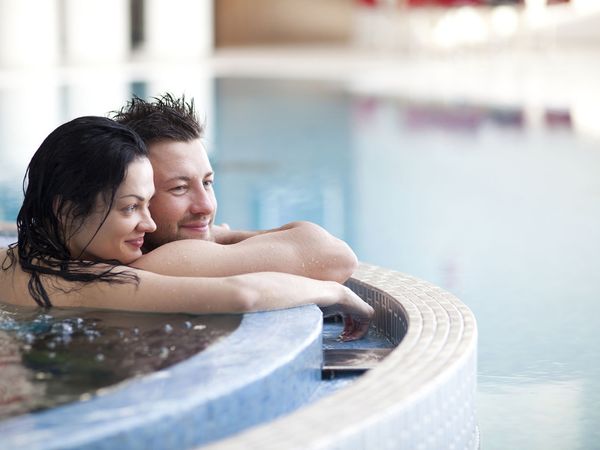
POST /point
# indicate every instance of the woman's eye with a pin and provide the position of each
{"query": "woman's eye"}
(130, 208)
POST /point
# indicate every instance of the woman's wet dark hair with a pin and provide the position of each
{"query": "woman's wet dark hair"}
(80, 162)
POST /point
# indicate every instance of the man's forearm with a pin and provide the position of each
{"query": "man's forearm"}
(319, 254)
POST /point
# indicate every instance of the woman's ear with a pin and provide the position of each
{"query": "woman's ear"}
(56, 203)
(63, 211)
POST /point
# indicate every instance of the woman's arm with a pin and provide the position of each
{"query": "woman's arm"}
(300, 248)
(235, 294)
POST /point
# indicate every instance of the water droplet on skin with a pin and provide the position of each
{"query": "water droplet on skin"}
(199, 327)
(168, 328)
(164, 352)
(187, 324)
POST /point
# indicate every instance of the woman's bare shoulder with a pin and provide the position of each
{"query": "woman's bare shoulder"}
(13, 281)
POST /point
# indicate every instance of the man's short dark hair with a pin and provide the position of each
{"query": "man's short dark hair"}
(161, 118)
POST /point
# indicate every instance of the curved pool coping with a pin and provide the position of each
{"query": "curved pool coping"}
(267, 367)
(421, 396)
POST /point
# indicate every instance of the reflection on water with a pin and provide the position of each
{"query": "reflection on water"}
(497, 203)
(51, 357)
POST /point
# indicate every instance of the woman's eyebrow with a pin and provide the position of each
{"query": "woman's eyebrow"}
(140, 198)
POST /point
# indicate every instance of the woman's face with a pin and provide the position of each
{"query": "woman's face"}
(121, 236)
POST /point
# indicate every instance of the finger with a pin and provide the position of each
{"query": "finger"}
(348, 327)
(359, 330)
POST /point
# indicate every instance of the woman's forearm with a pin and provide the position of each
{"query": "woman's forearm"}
(235, 294)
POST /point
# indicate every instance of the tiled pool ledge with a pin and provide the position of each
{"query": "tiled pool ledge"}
(267, 367)
(422, 396)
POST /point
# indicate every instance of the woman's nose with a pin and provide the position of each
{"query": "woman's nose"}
(147, 225)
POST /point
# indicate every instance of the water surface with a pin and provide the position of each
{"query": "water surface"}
(50, 357)
(499, 204)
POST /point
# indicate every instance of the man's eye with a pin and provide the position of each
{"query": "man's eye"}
(178, 189)
(208, 183)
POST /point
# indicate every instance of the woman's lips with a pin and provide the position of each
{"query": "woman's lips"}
(136, 242)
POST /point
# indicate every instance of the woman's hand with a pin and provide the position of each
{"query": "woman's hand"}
(356, 314)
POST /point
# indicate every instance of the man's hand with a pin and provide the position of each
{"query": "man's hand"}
(219, 233)
(222, 234)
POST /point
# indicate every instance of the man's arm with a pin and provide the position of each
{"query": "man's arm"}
(299, 248)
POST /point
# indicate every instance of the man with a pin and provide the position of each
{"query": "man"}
(184, 207)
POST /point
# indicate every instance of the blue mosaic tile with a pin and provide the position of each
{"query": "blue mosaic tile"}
(269, 366)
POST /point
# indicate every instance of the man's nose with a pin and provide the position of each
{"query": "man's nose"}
(202, 203)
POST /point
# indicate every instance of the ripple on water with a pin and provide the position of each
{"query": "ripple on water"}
(63, 355)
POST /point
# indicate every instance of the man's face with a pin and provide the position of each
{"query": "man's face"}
(184, 205)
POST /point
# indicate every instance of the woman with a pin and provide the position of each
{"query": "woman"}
(83, 221)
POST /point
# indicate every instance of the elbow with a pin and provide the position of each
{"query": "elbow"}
(345, 264)
(342, 259)
(341, 262)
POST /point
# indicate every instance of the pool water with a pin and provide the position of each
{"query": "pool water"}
(56, 356)
(497, 204)
(482, 200)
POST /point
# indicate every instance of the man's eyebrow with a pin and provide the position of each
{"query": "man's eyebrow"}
(187, 178)
(178, 178)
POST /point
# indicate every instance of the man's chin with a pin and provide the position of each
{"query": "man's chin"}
(204, 235)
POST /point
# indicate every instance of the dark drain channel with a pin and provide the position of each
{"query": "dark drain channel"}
(351, 361)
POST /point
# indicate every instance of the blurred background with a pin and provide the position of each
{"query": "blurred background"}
(454, 140)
